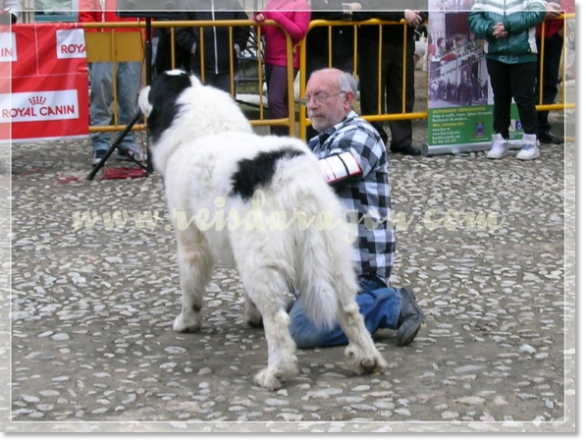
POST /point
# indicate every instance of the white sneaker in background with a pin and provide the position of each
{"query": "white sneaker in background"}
(530, 149)
(499, 147)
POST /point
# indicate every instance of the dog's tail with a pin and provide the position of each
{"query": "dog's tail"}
(325, 273)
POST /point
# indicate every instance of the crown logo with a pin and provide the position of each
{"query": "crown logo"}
(37, 100)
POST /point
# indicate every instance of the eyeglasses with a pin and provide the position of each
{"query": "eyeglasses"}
(318, 98)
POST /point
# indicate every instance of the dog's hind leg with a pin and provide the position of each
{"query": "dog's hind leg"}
(195, 270)
(362, 355)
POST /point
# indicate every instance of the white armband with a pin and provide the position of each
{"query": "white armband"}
(339, 167)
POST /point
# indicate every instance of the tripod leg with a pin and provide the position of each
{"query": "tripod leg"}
(119, 139)
(149, 165)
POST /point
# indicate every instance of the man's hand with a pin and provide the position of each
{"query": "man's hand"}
(259, 17)
(552, 10)
(412, 17)
(498, 30)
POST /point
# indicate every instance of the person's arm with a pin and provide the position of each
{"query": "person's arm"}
(422, 6)
(13, 9)
(333, 10)
(241, 33)
(88, 11)
(518, 23)
(383, 10)
(340, 169)
(297, 27)
(568, 6)
(356, 152)
(479, 25)
(187, 37)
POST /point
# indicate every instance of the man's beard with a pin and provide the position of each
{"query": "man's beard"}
(320, 125)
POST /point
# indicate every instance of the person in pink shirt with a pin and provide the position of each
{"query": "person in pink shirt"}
(294, 17)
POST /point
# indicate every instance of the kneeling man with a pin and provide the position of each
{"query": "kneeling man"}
(354, 162)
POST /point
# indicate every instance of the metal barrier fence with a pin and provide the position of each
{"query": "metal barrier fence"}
(380, 116)
(111, 46)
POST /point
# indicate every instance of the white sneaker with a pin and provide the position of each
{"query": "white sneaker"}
(530, 149)
(499, 147)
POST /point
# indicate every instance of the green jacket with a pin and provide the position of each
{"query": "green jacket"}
(519, 18)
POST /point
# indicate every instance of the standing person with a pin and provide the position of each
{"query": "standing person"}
(294, 17)
(317, 54)
(9, 11)
(216, 39)
(508, 29)
(391, 68)
(553, 41)
(347, 138)
(163, 60)
(128, 79)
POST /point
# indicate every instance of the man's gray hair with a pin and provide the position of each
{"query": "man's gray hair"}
(347, 83)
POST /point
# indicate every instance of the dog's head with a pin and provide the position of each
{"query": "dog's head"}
(159, 101)
(180, 110)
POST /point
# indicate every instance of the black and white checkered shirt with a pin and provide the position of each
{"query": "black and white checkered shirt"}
(367, 196)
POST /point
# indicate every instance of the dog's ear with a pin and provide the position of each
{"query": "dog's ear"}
(143, 101)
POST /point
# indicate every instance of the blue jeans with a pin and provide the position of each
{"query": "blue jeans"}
(128, 78)
(379, 305)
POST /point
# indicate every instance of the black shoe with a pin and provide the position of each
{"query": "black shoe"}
(406, 150)
(410, 318)
(127, 153)
(548, 137)
(289, 305)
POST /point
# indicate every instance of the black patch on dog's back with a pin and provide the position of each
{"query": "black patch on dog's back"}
(255, 172)
(165, 90)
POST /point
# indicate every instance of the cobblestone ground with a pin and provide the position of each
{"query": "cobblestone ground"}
(483, 243)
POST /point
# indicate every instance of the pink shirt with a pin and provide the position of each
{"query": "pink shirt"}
(294, 17)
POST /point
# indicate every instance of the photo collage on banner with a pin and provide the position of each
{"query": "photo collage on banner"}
(460, 100)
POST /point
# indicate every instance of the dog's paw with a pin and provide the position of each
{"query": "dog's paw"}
(266, 379)
(364, 363)
(187, 323)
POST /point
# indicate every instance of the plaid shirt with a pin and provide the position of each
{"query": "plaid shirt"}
(368, 196)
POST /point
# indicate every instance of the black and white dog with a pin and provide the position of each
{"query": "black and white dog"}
(260, 204)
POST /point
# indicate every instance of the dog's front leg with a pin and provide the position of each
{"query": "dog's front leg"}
(195, 270)
(267, 291)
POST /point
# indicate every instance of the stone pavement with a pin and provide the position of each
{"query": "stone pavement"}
(486, 245)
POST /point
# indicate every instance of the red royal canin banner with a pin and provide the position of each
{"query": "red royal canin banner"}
(43, 82)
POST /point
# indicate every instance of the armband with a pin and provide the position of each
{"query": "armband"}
(339, 167)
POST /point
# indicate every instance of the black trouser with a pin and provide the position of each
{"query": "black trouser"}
(392, 84)
(551, 65)
(513, 81)
(221, 81)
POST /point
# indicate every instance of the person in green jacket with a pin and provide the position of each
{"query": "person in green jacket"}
(508, 29)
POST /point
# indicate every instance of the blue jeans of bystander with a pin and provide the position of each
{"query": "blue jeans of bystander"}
(128, 81)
